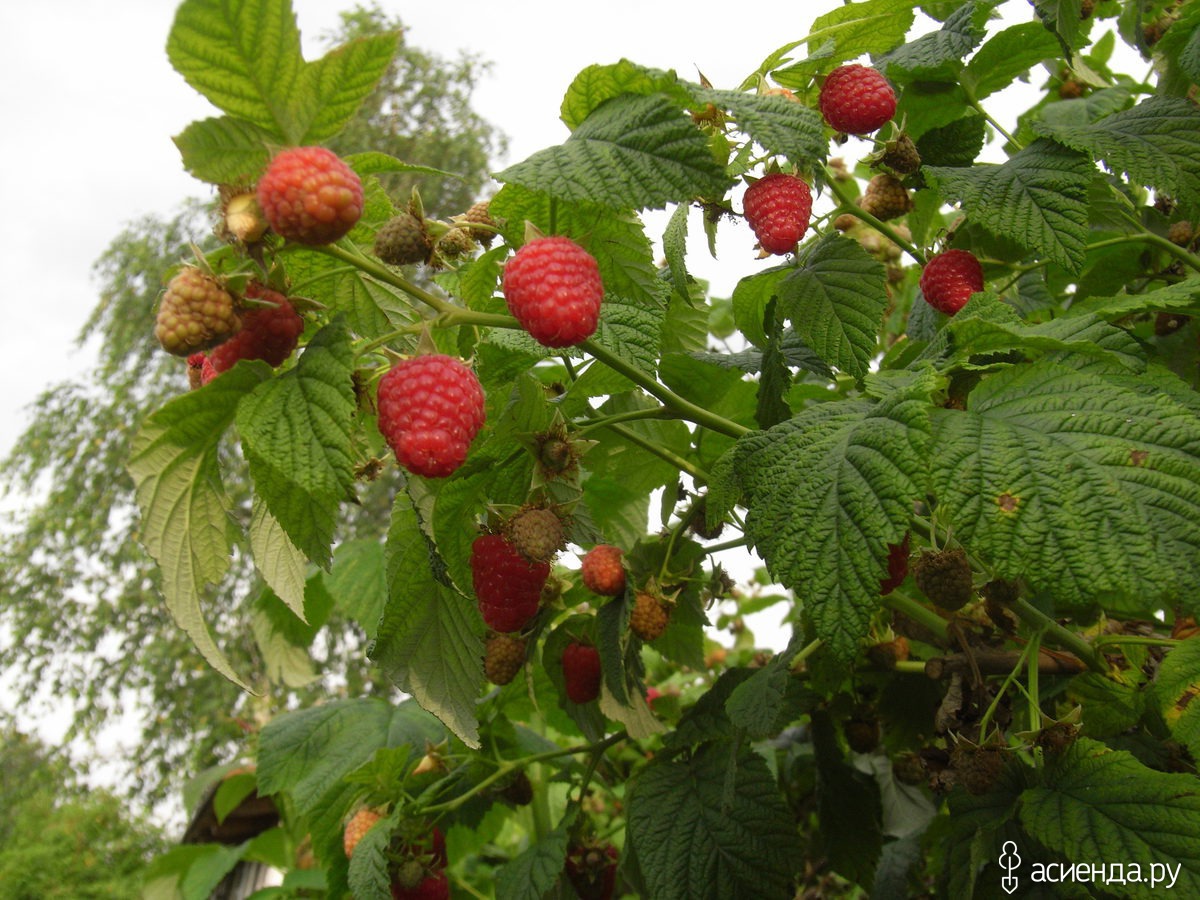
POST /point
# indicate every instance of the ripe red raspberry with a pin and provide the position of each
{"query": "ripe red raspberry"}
(602, 572)
(778, 207)
(310, 196)
(430, 409)
(196, 313)
(581, 672)
(856, 99)
(434, 886)
(357, 826)
(949, 279)
(507, 586)
(268, 333)
(504, 654)
(649, 617)
(553, 288)
(592, 870)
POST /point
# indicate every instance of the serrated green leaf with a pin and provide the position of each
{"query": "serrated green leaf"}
(1083, 487)
(244, 57)
(847, 32)
(532, 873)
(598, 83)
(369, 876)
(826, 492)
(177, 479)
(224, 150)
(939, 55)
(281, 564)
(632, 152)
(283, 661)
(1153, 144)
(835, 299)
(780, 126)
(1063, 18)
(631, 331)
(358, 583)
(295, 432)
(1177, 691)
(335, 86)
(430, 641)
(1037, 198)
(207, 872)
(956, 144)
(746, 847)
(1007, 55)
(755, 704)
(375, 163)
(675, 250)
(751, 296)
(1104, 805)
(1181, 297)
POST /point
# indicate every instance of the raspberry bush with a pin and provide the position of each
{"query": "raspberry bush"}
(972, 366)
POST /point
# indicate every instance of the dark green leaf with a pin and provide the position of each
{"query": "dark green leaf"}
(1007, 55)
(531, 874)
(632, 152)
(1177, 690)
(939, 54)
(780, 126)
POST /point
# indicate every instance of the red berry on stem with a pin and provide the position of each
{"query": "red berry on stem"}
(507, 586)
(553, 288)
(581, 672)
(430, 409)
(310, 196)
(602, 572)
(949, 279)
(268, 333)
(778, 207)
(856, 99)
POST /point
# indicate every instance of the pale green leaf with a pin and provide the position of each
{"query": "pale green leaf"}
(826, 492)
(185, 515)
(737, 844)
(1153, 144)
(243, 56)
(224, 150)
(847, 32)
(375, 163)
(1038, 198)
(1103, 806)
(283, 661)
(597, 83)
(780, 126)
(295, 432)
(675, 250)
(430, 641)
(335, 86)
(282, 565)
(632, 152)
(835, 299)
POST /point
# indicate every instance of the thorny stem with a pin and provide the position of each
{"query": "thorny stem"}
(1031, 615)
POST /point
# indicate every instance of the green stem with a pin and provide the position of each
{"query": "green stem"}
(991, 121)
(684, 408)
(731, 544)
(994, 705)
(879, 225)
(583, 426)
(1180, 253)
(805, 652)
(1031, 615)
(1032, 680)
(1143, 640)
(684, 465)
(918, 613)
(909, 667)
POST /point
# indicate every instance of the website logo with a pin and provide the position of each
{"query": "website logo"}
(1009, 860)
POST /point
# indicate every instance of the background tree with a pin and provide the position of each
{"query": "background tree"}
(59, 839)
(71, 553)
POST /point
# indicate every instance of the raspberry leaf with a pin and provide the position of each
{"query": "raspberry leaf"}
(938, 55)
(779, 125)
(835, 299)
(1153, 143)
(531, 874)
(1004, 58)
(826, 492)
(1075, 483)
(1177, 693)
(357, 582)
(847, 32)
(224, 150)
(333, 87)
(280, 562)
(711, 857)
(430, 638)
(632, 152)
(597, 83)
(295, 432)
(1103, 804)
(185, 524)
(1037, 198)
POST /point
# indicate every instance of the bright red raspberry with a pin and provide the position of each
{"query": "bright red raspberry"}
(310, 196)
(268, 333)
(553, 288)
(602, 572)
(778, 207)
(430, 409)
(856, 99)
(949, 279)
(581, 672)
(507, 586)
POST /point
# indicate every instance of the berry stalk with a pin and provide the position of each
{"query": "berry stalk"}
(879, 225)
(1031, 615)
